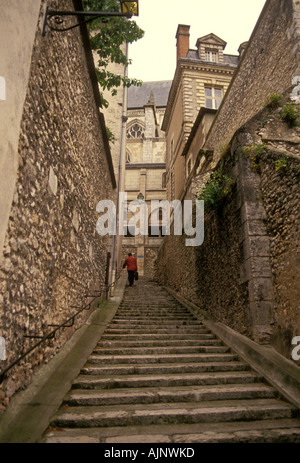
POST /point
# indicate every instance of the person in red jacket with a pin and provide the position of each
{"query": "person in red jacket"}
(131, 264)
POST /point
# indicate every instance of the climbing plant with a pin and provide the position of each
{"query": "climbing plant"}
(290, 114)
(254, 153)
(215, 190)
(107, 37)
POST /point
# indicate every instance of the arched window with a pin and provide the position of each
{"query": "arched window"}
(136, 130)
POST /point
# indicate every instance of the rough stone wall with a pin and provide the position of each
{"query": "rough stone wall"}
(208, 275)
(278, 169)
(268, 65)
(281, 193)
(52, 253)
(245, 274)
(150, 258)
(280, 190)
(17, 33)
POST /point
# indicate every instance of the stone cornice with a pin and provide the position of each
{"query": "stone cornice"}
(191, 65)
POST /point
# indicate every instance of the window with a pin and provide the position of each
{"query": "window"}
(211, 56)
(213, 97)
(135, 131)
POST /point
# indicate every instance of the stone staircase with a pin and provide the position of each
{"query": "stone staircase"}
(157, 375)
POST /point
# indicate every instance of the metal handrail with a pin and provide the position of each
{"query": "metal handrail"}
(52, 333)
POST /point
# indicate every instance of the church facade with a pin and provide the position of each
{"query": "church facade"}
(145, 169)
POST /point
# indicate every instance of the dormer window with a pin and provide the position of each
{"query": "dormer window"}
(211, 56)
(210, 48)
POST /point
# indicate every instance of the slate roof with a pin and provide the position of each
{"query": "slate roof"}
(230, 60)
(139, 96)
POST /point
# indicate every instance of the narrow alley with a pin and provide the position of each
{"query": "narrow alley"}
(159, 375)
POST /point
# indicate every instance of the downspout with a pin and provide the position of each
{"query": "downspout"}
(120, 178)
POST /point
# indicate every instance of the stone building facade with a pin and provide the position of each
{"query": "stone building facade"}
(145, 170)
(201, 79)
(52, 256)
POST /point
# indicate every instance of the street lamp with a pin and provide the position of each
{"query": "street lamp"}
(133, 7)
(54, 19)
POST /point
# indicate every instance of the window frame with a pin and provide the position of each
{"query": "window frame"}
(216, 101)
(209, 54)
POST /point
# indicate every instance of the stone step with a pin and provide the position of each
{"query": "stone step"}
(187, 412)
(166, 305)
(263, 431)
(159, 350)
(154, 329)
(154, 336)
(154, 323)
(153, 310)
(159, 375)
(162, 379)
(162, 318)
(167, 358)
(159, 309)
(165, 368)
(150, 395)
(156, 307)
(159, 343)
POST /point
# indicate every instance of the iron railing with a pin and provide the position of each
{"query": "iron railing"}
(66, 324)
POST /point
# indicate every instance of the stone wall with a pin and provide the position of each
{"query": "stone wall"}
(281, 193)
(245, 272)
(278, 173)
(209, 275)
(280, 187)
(52, 253)
(17, 32)
(268, 65)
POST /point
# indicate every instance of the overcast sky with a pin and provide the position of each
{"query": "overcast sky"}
(154, 56)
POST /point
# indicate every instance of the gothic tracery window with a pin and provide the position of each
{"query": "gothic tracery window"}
(135, 131)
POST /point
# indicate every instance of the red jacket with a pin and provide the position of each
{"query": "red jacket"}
(131, 263)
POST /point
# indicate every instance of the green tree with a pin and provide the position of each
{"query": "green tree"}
(107, 36)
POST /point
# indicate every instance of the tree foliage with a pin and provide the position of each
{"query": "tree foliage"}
(107, 37)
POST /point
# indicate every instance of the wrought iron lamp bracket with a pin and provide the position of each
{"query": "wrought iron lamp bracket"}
(54, 20)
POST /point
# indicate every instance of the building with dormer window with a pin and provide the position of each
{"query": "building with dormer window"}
(201, 79)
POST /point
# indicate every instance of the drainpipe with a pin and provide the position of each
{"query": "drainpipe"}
(116, 244)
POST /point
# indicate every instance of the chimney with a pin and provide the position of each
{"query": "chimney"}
(183, 40)
(242, 48)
